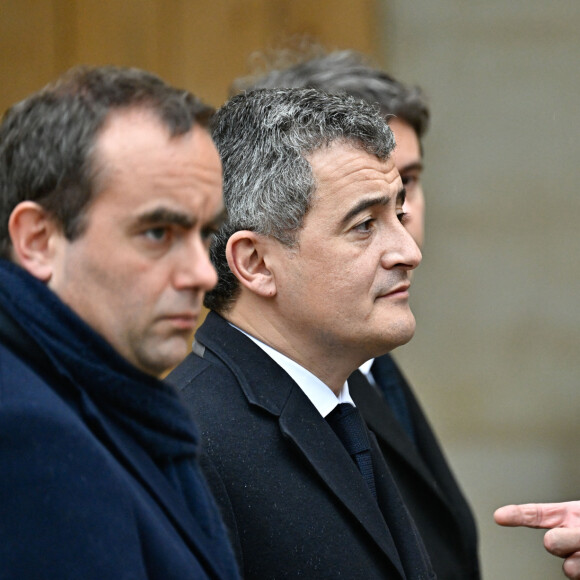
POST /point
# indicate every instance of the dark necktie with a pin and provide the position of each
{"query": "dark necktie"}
(349, 426)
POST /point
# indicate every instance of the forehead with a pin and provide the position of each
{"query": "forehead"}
(131, 137)
(344, 172)
(137, 161)
(408, 147)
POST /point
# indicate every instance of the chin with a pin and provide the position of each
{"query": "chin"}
(408, 332)
(167, 355)
(399, 334)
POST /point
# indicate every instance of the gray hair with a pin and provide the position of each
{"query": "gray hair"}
(264, 138)
(47, 141)
(344, 71)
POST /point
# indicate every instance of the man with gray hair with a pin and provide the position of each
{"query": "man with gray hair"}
(385, 398)
(314, 268)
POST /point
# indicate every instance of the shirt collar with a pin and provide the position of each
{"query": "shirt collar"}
(365, 368)
(320, 395)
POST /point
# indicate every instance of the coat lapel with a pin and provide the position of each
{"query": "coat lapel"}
(301, 422)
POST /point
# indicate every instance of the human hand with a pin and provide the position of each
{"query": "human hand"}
(563, 536)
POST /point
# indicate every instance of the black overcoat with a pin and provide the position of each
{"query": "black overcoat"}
(294, 500)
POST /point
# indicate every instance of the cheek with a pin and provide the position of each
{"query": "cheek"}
(128, 292)
(347, 283)
(332, 278)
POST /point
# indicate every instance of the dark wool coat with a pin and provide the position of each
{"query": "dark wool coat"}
(80, 496)
(294, 500)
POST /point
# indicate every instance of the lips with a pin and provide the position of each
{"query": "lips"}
(185, 320)
(400, 290)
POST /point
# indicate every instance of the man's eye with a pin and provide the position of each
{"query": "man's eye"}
(156, 234)
(365, 226)
(409, 181)
(403, 217)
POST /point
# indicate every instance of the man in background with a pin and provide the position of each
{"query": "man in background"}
(110, 185)
(313, 264)
(388, 403)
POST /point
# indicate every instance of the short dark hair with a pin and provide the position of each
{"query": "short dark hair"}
(342, 71)
(47, 141)
(265, 138)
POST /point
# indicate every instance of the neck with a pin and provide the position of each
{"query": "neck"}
(331, 366)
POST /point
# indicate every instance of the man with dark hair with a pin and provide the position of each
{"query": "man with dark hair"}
(109, 186)
(388, 403)
(313, 277)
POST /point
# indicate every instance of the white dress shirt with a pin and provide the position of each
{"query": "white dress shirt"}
(320, 395)
(365, 369)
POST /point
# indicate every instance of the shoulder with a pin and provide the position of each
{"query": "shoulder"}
(47, 437)
(199, 377)
(63, 491)
(30, 402)
(212, 391)
(43, 434)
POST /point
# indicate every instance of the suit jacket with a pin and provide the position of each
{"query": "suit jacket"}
(79, 497)
(294, 500)
(423, 476)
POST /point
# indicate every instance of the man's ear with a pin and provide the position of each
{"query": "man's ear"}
(31, 231)
(247, 255)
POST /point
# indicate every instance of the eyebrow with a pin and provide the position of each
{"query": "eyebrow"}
(166, 216)
(370, 202)
(416, 166)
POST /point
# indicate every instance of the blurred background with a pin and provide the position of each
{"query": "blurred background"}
(495, 357)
